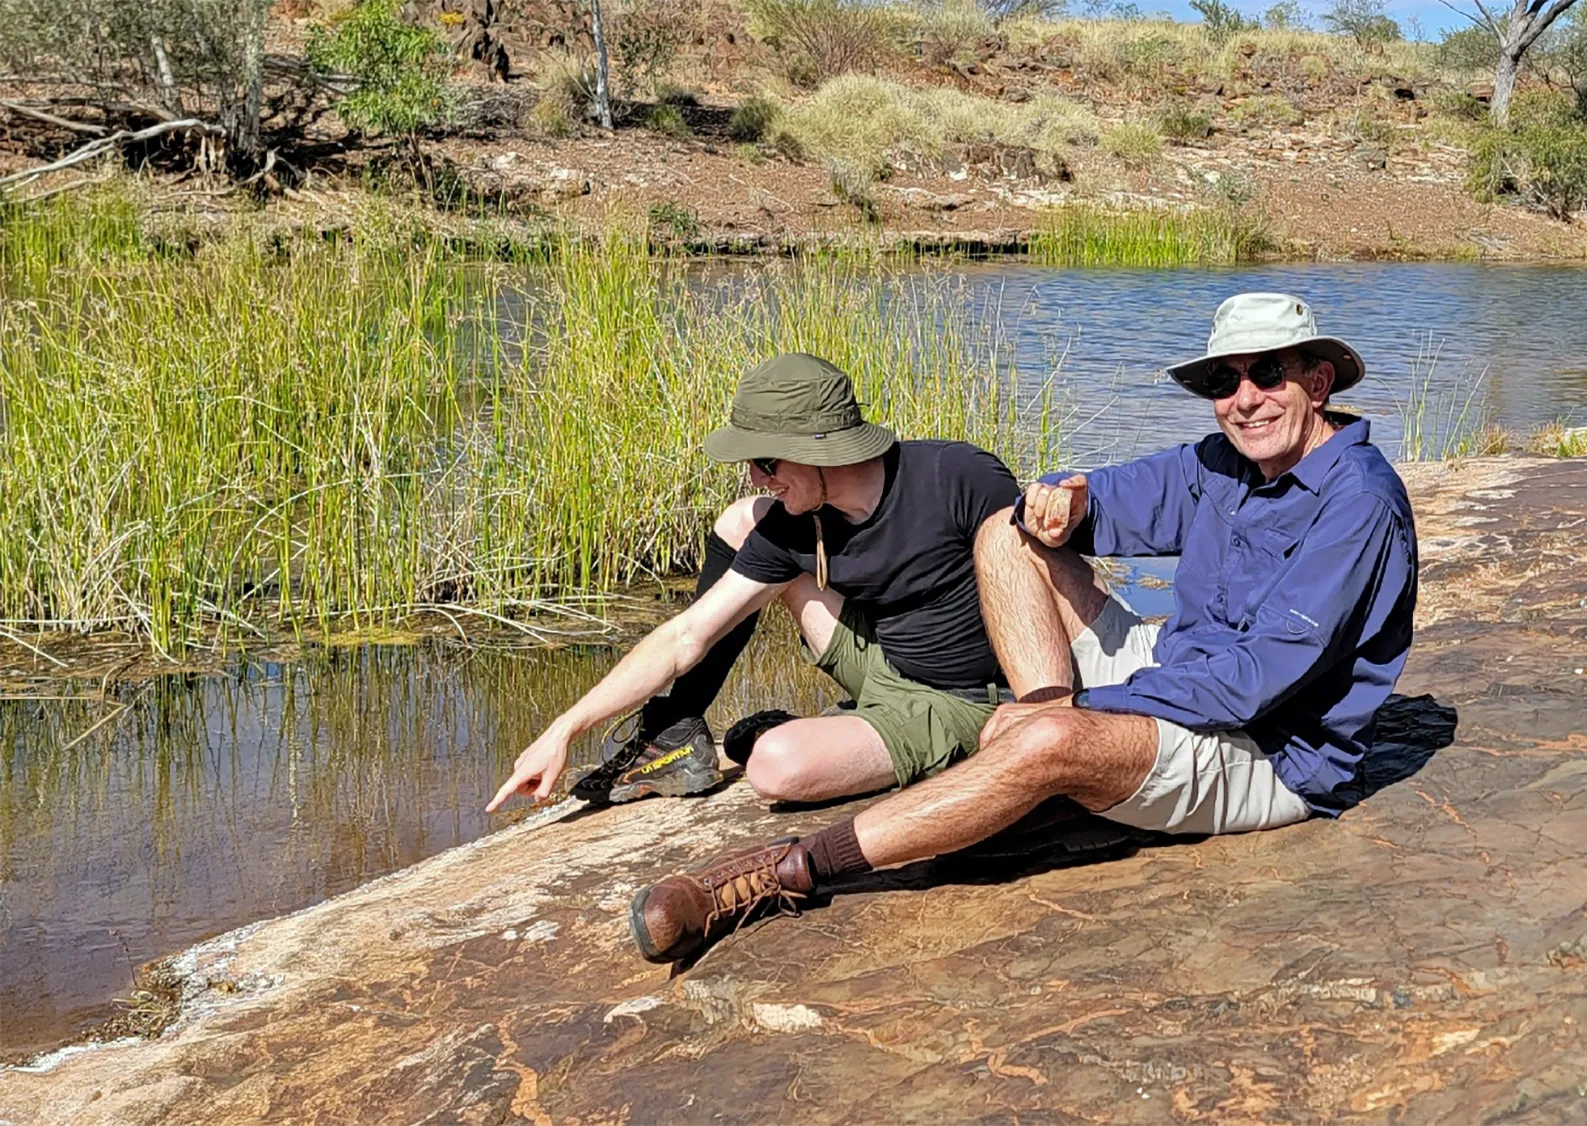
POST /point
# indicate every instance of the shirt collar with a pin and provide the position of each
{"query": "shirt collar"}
(1312, 468)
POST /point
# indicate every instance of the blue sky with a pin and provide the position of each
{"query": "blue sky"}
(1435, 17)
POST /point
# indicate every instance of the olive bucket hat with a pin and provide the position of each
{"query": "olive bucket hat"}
(1267, 322)
(799, 408)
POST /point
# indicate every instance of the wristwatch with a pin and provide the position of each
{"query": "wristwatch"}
(1080, 699)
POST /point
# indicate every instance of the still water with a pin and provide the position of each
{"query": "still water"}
(215, 800)
(1511, 339)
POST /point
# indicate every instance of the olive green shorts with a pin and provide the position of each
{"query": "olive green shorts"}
(924, 729)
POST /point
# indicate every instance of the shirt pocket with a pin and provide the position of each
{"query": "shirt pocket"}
(1269, 554)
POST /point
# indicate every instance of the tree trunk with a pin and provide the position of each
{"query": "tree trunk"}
(603, 85)
(240, 111)
(1504, 85)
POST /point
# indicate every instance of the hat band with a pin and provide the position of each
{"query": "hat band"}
(818, 423)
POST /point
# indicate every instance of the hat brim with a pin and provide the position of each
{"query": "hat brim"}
(1347, 364)
(839, 447)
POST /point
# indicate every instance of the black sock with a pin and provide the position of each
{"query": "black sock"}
(694, 691)
(835, 851)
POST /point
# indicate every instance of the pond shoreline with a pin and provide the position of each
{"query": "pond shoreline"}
(1503, 601)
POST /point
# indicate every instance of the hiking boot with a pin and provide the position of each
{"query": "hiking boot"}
(683, 914)
(679, 760)
(740, 738)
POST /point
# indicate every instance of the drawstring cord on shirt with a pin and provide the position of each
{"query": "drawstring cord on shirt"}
(821, 547)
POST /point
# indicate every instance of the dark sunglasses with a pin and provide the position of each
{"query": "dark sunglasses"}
(1223, 380)
(767, 465)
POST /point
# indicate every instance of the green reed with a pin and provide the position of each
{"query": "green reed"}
(336, 433)
(1080, 234)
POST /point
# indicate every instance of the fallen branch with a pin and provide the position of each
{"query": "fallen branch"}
(50, 119)
(105, 144)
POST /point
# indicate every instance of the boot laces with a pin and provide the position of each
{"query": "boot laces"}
(742, 885)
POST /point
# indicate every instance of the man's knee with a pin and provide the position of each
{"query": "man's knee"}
(1041, 749)
(738, 519)
(777, 769)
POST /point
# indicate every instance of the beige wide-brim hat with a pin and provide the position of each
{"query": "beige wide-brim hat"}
(1266, 322)
(799, 408)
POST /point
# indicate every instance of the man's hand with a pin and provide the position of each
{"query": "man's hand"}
(536, 771)
(1009, 716)
(1053, 512)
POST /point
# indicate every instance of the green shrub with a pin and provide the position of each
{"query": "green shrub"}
(1222, 21)
(1467, 49)
(1180, 122)
(1268, 109)
(852, 185)
(1286, 15)
(752, 119)
(1460, 105)
(673, 220)
(672, 95)
(949, 31)
(1541, 158)
(819, 39)
(401, 70)
(1364, 21)
(667, 120)
(788, 146)
(645, 40)
(1135, 143)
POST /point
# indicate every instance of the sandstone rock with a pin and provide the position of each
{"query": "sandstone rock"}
(1420, 959)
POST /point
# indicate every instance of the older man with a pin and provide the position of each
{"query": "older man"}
(1252, 708)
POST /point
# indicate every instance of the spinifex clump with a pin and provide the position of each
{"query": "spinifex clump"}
(243, 439)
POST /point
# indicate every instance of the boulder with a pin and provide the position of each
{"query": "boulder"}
(1423, 958)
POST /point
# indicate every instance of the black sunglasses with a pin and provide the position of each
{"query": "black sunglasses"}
(767, 465)
(1223, 380)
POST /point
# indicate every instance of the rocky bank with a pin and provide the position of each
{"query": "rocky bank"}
(1423, 959)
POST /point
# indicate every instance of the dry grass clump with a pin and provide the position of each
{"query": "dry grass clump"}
(1137, 53)
(860, 121)
(1556, 439)
(1136, 143)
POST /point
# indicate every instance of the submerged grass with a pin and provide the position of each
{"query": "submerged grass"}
(343, 434)
(1082, 234)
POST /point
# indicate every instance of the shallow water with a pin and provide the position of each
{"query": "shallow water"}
(1512, 338)
(215, 800)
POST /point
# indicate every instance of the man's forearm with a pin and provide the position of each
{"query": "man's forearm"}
(648, 668)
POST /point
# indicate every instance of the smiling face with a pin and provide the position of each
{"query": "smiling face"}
(797, 486)
(1276, 428)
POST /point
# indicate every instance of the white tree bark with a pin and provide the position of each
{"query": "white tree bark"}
(1516, 32)
(603, 84)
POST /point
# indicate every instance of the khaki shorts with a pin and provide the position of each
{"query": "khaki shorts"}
(1202, 782)
(924, 729)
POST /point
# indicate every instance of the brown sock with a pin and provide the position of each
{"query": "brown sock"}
(1042, 695)
(835, 851)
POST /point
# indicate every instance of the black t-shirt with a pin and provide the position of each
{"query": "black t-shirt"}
(909, 568)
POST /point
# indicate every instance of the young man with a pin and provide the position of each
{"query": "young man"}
(1250, 709)
(870, 543)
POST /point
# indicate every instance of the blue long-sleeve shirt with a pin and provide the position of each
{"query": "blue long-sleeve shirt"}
(1292, 601)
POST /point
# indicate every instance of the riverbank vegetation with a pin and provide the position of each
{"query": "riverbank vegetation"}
(221, 441)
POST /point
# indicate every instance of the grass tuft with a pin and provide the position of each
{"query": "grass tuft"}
(1081, 234)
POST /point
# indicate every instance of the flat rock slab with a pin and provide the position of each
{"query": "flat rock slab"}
(1424, 958)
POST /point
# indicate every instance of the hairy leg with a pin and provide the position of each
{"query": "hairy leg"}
(809, 760)
(1035, 600)
(1094, 757)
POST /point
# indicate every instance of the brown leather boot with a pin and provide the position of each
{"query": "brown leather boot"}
(683, 914)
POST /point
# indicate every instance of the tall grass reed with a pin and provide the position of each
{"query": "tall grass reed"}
(215, 446)
(1081, 234)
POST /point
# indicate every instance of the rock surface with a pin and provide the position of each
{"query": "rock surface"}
(1423, 958)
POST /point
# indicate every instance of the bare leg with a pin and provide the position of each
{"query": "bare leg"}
(1035, 601)
(829, 756)
(1096, 758)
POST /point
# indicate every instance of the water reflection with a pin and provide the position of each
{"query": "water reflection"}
(212, 801)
